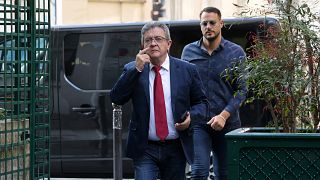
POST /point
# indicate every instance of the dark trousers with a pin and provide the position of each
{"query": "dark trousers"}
(164, 160)
(207, 140)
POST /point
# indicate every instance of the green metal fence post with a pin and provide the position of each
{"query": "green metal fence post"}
(24, 89)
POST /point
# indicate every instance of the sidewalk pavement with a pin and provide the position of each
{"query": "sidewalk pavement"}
(77, 179)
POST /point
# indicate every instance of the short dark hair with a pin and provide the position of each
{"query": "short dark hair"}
(211, 10)
(154, 24)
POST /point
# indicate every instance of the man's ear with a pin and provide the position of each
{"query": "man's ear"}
(221, 23)
(169, 44)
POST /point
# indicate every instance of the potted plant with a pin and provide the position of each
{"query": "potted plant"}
(283, 71)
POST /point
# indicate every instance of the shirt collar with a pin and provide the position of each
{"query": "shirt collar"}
(220, 47)
(165, 65)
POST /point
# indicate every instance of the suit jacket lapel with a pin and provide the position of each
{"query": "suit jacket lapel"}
(174, 72)
(145, 82)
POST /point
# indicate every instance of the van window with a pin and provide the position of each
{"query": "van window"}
(9, 61)
(236, 33)
(95, 61)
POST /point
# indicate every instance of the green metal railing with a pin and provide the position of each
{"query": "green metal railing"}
(24, 89)
(260, 153)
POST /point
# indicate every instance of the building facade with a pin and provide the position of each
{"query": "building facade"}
(64, 12)
(118, 11)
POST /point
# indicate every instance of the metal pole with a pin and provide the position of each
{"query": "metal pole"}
(117, 142)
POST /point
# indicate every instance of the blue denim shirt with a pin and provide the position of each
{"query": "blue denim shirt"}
(222, 93)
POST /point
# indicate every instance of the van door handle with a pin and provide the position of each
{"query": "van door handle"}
(84, 110)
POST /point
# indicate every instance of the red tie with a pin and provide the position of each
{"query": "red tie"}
(159, 106)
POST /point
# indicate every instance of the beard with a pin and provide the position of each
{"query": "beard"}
(212, 38)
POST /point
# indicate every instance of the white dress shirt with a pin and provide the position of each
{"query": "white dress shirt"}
(165, 77)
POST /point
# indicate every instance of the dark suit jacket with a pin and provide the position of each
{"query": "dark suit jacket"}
(186, 94)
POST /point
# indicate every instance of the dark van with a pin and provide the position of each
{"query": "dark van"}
(86, 63)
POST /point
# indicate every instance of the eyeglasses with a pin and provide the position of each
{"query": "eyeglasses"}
(205, 23)
(157, 39)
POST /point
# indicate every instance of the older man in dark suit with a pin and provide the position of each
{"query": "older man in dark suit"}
(162, 88)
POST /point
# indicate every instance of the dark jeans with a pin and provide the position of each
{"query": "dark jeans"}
(205, 140)
(166, 161)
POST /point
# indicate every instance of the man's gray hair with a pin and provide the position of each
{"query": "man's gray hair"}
(154, 24)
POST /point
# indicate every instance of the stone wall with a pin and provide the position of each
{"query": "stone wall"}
(14, 150)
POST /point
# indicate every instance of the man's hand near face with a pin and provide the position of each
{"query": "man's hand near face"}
(142, 58)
